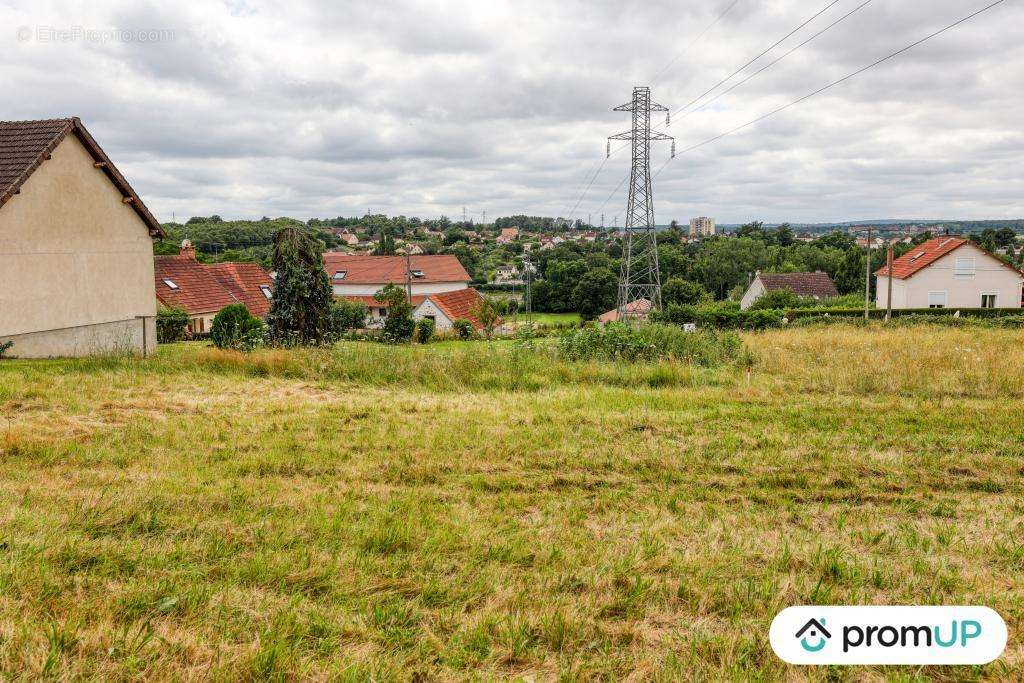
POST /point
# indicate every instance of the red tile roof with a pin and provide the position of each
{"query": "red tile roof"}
(207, 288)
(361, 269)
(923, 255)
(817, 284)
(461, 303)
(243, 281)
(26, 145)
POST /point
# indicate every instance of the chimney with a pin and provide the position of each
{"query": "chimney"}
(187, 250)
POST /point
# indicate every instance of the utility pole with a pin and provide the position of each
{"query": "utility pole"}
(640, 276)
(867, 281)
(528, 294)
(888, 294)
(483, 219)
(408, 276)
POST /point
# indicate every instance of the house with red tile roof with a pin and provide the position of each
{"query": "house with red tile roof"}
(639, 309)
(949, 272)
(438, 283)
(508, 235)
(203, 289)
(76, 265)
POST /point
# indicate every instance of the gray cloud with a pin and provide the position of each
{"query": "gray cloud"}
(317, 108)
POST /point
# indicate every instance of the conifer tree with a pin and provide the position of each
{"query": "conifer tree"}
(300, 310)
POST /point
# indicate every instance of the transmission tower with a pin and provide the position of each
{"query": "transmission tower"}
(639, 276)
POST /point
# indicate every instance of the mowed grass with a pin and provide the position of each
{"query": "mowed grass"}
(475, 511)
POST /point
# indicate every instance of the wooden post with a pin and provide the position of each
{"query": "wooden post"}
(888, 295)
(867, 281)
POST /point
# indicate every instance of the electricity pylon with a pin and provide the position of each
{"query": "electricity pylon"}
(639, 276)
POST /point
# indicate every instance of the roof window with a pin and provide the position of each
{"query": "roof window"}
(416, 273)
(340, 274)
(171, 284)
(266, 291)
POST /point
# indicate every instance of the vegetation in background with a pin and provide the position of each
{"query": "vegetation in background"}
(234, 327)
(463, 328)
(171, 324)
(347, 315)
(399, 324)
(486, 312)
(6, 346)
(300, 312)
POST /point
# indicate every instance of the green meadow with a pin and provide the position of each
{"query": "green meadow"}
(487, 511)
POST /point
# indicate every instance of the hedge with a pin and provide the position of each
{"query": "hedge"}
(878, 313)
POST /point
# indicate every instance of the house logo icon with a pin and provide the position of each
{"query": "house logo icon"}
(815, 632)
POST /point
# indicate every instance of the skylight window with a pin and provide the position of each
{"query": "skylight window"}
(266, 291)
(340, 274)
(917, 256)
(171, 284)
(416, 273)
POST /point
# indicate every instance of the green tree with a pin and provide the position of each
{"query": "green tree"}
(849, 277)
(683, 292)
(595, 293)
(398, 325)
(778, 298)
(300, 312)
(486, 311)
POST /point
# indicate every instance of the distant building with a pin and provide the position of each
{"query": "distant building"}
(508, 235)
(639, 309)
(506, 274)
(949, 272)
(702, 226)
(202, 289)
(816, 285)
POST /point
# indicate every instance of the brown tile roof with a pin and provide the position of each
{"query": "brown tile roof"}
(639, 307)
(26, 145)
(815, 284)
(361, 269)
(461, 303)
(927, 253)
(207, 288)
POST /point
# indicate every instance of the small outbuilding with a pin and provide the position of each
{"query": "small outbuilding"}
(816, 285)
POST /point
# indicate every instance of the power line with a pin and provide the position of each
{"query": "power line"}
(773, 46)
(694, 41)
(779, 59)
(838, 81)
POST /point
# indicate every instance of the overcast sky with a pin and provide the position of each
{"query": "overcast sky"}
(318, 109)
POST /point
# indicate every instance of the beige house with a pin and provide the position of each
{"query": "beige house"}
(76, 246)
(949, 272)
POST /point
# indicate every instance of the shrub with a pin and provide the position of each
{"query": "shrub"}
(171, 324)
(463, 328)
(424, 330)
(347, 315)
(300, 312)
(398, 325)
(5, 347)
(487, 313)
(235, 328)
(650, 342)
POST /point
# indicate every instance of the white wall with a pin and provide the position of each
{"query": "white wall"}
(343, 289)
(73, 255)
(753, 293)
(427, 309)
(990, 276)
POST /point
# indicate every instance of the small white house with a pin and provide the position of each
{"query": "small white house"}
(950, 272)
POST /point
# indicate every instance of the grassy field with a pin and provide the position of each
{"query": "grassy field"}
(468, 511)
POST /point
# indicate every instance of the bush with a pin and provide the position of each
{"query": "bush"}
(347, 315)
(235, 328)
(463, 328)
(171, 324)
(650, 342)
(424, 330)
(5, 347)
(724, 315)
(398, 325)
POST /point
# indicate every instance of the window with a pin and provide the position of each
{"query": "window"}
(266, 291)
(916, 256)
(340, 274)
(171, 284)
(936, 299)
(964, 267)
(416, 273)
(989, 300)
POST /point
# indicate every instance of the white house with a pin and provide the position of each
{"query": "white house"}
(950, 272)
(76, 246)
(816, 285)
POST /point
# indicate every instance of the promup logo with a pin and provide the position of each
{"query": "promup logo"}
(888, 635)
(818, 634)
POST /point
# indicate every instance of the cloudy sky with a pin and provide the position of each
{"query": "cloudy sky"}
(323, 108)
